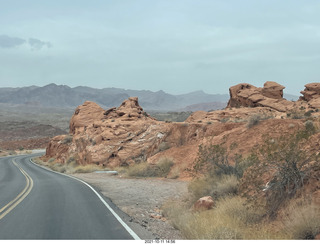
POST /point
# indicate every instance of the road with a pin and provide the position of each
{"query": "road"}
(39, 204)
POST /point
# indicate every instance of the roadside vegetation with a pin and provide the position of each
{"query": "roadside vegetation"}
(245, 206)
(70, 167)
(143, 169)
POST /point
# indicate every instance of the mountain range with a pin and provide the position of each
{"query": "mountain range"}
(62, 96)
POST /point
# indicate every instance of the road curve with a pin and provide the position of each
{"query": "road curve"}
(39, 204)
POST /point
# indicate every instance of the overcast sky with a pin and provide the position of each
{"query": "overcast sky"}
(177, 46)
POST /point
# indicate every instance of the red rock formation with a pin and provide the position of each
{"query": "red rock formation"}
(311, 91)
(311, 94)
(115, 136)
(126, 135)
(271, 96)
(273, 90)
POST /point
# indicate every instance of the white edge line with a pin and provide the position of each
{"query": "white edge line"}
(130, 231)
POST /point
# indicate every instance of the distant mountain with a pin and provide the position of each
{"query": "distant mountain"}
(290, 97)
(205, 106)
(63, 96)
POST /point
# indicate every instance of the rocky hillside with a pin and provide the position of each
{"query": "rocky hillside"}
(16, 135)
(127, 135)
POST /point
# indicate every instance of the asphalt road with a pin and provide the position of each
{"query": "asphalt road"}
(39, 204)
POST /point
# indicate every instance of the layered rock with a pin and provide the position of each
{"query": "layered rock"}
(271, 96)
(311, 94)
(126, 134)
(115, 136)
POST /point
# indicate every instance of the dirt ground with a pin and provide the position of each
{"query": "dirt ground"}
(141, 199)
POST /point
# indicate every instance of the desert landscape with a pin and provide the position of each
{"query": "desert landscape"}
(164, 121)
(248, 171)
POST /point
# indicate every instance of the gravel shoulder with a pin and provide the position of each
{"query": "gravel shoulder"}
(141, 199)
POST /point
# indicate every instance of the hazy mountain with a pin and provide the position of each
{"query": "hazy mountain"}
(63, 96)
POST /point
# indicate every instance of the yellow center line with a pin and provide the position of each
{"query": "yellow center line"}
(22, 195)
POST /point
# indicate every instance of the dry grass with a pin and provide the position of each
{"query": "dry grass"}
(231, 219)
(161, 169)
(302, 221)
(70, 167)
(218, 186)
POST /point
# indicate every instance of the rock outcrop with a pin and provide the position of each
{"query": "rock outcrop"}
(126, 135)
(271, 96)
(311, 94)
(116, 136)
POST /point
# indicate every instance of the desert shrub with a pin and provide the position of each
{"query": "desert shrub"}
(253, 120)
(88, 168)
(164, 166)
(230, 219)
(67, 139)
(200, 187)
(217, 187)
(161, 169)
(308, 113)
(303, 221)
(238, 209)
(163, 146)
(285, 159)
(62, 168)
(51, 160)
(71, 160)
(214, 161)
(226, 185)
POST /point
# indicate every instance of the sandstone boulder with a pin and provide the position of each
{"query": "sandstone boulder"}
(204, 203)
(85, 115)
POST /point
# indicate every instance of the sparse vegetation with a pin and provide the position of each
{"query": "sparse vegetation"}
(70, 167)
(67, 139)
(163, 146)
(214, 161)
(217, 187)
(170, 116)
(302, 220)
(287, 159)
(251, 215)
(253, 120)
(256, 118)
(160, 169)
(231, 219)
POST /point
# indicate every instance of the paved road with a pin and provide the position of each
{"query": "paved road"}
(38, 204)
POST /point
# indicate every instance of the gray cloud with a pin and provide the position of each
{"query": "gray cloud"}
(37, 44)
(10, 42)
